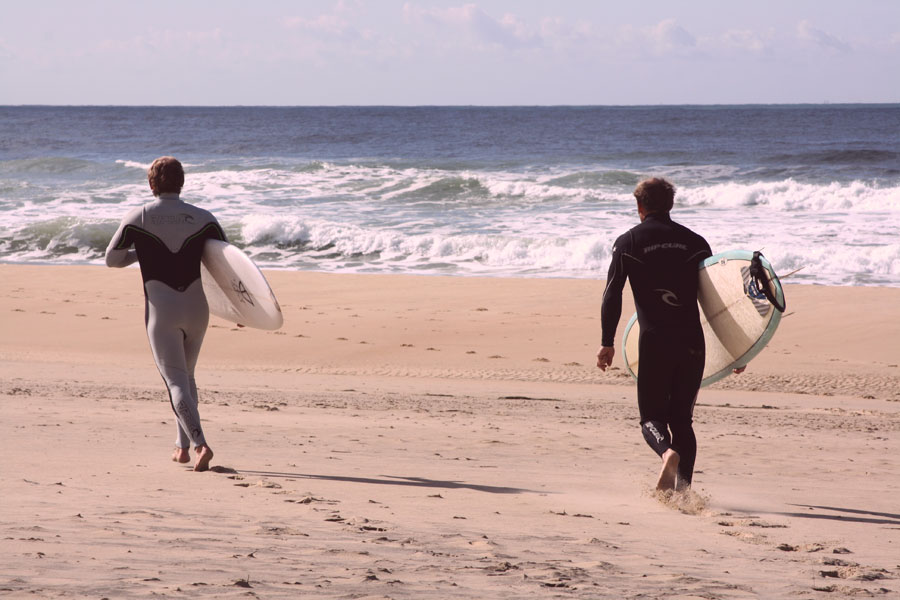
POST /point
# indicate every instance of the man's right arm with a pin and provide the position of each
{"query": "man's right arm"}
(611, 307)
(119, 252)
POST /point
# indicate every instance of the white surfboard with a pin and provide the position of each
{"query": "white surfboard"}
(739, 313)
(236, 289)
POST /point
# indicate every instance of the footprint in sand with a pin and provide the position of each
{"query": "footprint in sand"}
(782, 547)
(836, 568)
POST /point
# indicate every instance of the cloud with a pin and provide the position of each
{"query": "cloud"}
(337, 35)
(669, 35)
(555, 31)
(807, 33)
(666, 38)
(340, 27)
(508, 31)
(744, 39)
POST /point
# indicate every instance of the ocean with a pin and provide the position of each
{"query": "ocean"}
(466, 191)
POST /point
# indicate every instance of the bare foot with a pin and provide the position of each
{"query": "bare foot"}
(181, 455)
(669, 471)
(204, 455)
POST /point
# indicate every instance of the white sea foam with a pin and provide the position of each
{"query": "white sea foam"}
(400, 219)
(133, 164)
(337, 246)
(477, 252)
(534, 189)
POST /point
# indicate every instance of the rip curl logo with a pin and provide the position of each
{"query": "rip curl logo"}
(752, 291)
(242, 292)
(669, 297)
(664, 246)
(655, 432)
(180, 219)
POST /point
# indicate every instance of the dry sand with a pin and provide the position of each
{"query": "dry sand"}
(431, 437)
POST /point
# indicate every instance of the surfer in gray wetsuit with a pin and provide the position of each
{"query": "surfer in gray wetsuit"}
(168, 236)
(660, 258)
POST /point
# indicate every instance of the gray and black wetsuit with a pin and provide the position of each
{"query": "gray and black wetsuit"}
(168, 236)
(661, 258)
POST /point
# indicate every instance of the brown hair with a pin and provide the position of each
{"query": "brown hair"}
(655, 195)
(166, 176)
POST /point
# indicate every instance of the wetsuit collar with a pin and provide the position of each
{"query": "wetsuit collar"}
(658, 216)
(169, 197)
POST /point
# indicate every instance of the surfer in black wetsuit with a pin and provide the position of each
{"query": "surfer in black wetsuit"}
(168, 236)
(661, 258)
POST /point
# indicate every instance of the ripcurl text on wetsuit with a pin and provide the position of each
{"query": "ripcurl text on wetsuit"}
(168, 236)
(661, 260)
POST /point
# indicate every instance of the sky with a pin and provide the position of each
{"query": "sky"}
(420, 52)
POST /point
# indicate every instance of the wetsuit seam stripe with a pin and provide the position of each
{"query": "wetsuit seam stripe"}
(121, 245)
(159, 240)
(198, 234)
(141, 230)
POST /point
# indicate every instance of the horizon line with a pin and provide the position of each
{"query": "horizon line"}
(659, 105)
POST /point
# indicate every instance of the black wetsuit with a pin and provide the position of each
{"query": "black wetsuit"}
(661, 258)
(168, 236)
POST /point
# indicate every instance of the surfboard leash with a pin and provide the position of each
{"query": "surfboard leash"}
(759, 274)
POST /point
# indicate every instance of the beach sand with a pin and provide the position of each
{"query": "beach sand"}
(436, 437)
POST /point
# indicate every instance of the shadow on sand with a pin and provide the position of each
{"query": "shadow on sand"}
(849, 515)
(384, 480)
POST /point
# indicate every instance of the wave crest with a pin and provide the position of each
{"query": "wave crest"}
(792, 196)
